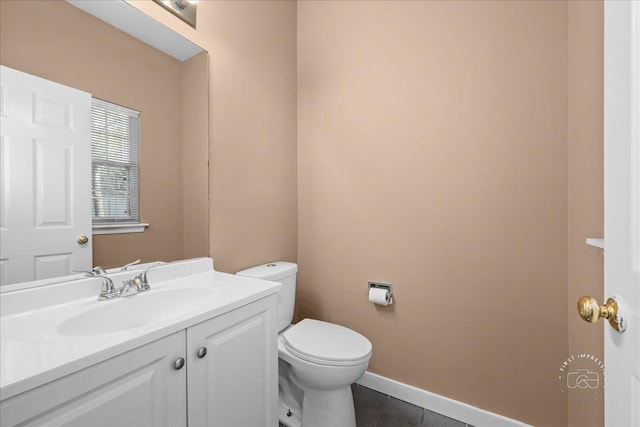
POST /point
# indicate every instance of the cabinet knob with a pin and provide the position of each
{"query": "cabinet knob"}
(178, 364)
(202, 352)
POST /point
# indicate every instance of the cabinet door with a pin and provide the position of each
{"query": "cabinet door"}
(236, 383)
(138, 388)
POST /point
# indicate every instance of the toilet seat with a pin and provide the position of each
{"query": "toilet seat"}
(326, 343)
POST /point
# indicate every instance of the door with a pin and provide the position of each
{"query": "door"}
(233, 368)
(622, 209)
(145, 387)
(45, 178)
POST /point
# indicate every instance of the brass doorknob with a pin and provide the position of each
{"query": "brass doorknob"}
(591, 311)
(82, 240)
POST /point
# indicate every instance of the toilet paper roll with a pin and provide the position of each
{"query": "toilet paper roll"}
(379, 296)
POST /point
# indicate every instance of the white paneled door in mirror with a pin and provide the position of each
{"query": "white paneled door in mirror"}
(44, 170)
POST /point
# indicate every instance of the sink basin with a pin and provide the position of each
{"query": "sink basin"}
(137, 311)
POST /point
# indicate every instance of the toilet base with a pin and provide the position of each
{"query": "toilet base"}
(289, 396)
(287, 417)
(321, 408)
(300, 405)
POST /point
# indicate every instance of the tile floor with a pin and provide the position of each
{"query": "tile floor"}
(374, 409)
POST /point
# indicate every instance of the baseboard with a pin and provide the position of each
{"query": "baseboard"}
(436, 403)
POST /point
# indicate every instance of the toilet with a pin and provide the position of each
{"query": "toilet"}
(318, 361)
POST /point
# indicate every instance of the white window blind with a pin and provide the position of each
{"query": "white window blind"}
(114, 163)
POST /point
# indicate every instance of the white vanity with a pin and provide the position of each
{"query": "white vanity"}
(198, 349)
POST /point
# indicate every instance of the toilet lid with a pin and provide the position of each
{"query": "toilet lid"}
(326, 343)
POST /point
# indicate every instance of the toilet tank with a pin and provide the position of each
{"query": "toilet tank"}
(284, 273)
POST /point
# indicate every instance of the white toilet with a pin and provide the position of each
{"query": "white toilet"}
(318, 361)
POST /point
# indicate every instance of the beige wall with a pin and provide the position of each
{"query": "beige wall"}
(195, 155)
(432, 153)
(253, 121)
(57, 41)
(252, 101)
(586, 216)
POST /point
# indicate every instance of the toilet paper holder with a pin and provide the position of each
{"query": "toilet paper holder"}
(382, 285)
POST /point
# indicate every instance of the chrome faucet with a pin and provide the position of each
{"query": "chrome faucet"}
(129, 287)
(135, 285)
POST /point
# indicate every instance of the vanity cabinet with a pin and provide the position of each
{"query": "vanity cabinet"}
(236, 382)
(137, 388)
(229, 378)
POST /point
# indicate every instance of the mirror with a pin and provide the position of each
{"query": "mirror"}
(61, 43)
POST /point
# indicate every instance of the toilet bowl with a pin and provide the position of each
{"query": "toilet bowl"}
(324, 355)
(318, 360)
(325, 359)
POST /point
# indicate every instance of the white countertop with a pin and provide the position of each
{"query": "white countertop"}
(34, 352)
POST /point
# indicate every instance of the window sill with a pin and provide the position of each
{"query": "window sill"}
(119, 228)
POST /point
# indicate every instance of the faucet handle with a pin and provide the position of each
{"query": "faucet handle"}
(108, 289)
(95, 271)
(143, 275)
(141, 282)
(126, 266)
(86, 272)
